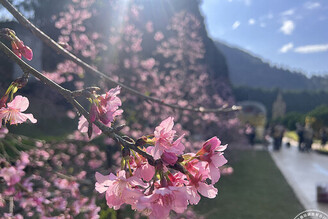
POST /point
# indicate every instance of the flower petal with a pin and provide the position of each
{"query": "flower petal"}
(30, 117)
(214, 173)
(19, 102)
(208, 191)
(218, 160)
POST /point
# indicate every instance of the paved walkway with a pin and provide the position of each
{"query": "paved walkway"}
(303, 171)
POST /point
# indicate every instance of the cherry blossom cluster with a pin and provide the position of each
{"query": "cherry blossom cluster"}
(157, 176)
(171, 181)
(51, 181)
(17, 45)
(12, 112)
(104, 108)
(164, 63)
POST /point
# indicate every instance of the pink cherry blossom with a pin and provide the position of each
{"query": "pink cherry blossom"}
(119, 189)
(149, 27)
(23, 161)
(159, 204)
(158, 36)
(11, 175)
(211, 152)
(163, 139)
(197, 185)
(105, 108)
(83, 127)
(227, 170)
(108, 105)
(13, 111)
(142, 168)
(93, 112)
(3, 132)
(20, 49)
(148, 64)
(11, 216)
(169, 158)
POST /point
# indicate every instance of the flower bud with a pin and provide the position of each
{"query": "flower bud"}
(16, 49)
(20, 82)
(125, 152)
(3, 101)
(169, 158)
(93, 113)
(19, 48)
(27, 53)
(158, 165)
(105, 118)
(164, 182)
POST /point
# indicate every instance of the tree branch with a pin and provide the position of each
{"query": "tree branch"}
(51, 43)
(69, 96)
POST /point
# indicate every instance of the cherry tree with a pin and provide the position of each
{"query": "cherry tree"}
(159, 172)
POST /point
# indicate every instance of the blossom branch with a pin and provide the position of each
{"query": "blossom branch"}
(59, 49)
(69, 96)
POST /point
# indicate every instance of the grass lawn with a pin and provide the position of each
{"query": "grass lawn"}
(292, 135)
(256, 189)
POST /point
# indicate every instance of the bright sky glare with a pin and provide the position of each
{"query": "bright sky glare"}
(288, 33)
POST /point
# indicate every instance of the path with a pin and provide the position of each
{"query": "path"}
(303, 171)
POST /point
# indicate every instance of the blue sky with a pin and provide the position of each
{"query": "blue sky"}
(288, 33)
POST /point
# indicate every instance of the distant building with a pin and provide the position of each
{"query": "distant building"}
(278, 107)
(254, 113)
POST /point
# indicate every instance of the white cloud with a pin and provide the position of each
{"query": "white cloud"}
(287, 27)
(312, 5)
(235, 25)
(285, 48)
(251, 21)
(288, 12)
(312, 48)
(262, 24)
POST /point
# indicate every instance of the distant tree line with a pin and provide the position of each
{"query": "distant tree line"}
(299, 104)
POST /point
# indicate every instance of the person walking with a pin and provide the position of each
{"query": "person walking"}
(308, 137)
(250, 133)
(278, 134)
(324, 136)
(300, 133)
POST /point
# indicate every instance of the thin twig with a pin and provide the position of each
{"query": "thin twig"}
(59, 49)
(68, 95)
(11, 205)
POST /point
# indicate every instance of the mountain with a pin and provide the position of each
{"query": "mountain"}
(248, 70)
